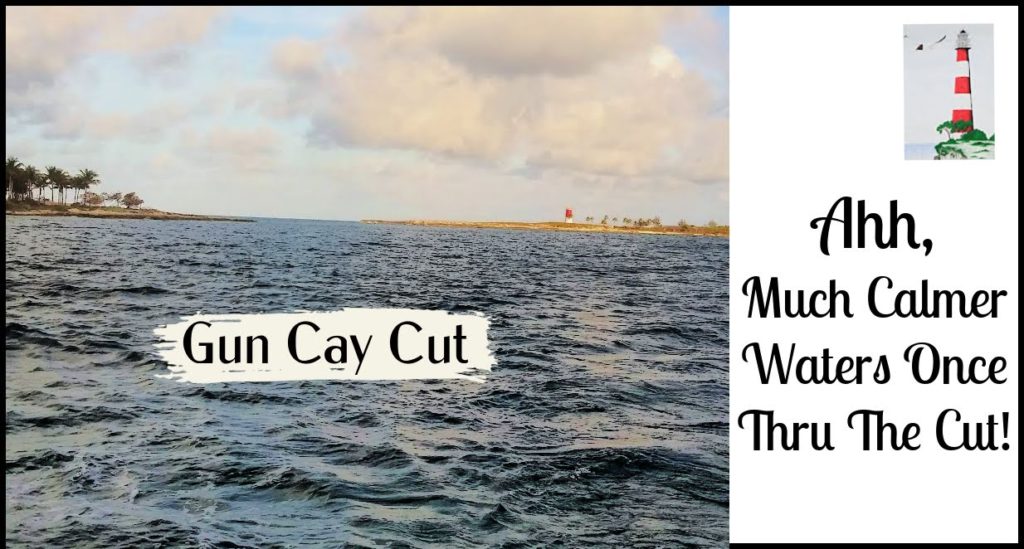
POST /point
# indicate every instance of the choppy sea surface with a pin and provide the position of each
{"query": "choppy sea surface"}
(604, 421)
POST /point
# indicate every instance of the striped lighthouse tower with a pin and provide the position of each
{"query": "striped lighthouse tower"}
(963, 109)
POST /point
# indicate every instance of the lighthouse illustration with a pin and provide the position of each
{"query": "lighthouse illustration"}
(938, 126)
(568, 215)
(963, 110)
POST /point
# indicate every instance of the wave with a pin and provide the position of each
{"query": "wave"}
(68, 416)
(604, 422)
(45, 459)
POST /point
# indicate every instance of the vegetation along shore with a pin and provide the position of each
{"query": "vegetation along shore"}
(110, 212)
(70, 195)
(653, 226)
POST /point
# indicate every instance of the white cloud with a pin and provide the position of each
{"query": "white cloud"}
(297, 57)
(42, 42)
(514, 40)
(585, 90)
(73, 120)
(238, 150)
(45, 44)
(157, 29)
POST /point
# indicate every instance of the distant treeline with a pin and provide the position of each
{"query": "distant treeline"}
(28, 183)
(641, 222)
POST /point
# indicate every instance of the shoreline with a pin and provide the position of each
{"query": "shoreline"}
(114, 213)
(721, 231)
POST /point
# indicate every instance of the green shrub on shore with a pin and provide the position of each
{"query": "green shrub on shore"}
(974, 135)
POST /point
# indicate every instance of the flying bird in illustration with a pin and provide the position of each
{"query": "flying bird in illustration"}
(922, 47)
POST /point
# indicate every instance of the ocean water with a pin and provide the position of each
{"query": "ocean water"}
(919, 151)
(604, 421)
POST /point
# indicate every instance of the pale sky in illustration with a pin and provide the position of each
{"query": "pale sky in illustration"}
(354, 113)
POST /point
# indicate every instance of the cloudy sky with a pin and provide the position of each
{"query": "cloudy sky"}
(352, 113)
(929, 74)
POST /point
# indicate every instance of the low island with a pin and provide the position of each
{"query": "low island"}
(964, 141)
(110, 212)
(681, 229)
(53, 191)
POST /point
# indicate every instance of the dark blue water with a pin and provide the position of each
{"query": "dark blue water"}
(603, 423)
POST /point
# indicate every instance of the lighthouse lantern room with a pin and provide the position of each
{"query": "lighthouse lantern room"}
(963, 41)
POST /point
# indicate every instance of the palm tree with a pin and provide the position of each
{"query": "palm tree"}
(41, 183)
(33, 178)
(86, 179)
(52, 176)
(20, 179)
(12, 170)
(66, 183)
(59, 179)
(61, 182)
(76, 183)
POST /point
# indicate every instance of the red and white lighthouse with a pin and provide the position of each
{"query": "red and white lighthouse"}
(963, 108)
(568, 215)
